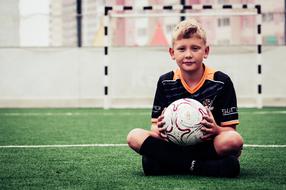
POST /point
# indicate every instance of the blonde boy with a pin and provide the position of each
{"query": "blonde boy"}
(218, 154)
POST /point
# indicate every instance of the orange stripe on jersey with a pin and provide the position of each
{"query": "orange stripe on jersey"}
(208, 74)
(177, 74)
(233, 122)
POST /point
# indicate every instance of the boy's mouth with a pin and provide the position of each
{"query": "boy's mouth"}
(188, 62)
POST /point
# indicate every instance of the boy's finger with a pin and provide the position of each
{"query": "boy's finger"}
(206, 130)
(160, 118)
(207, 137)
(163, 135)
(207, 118)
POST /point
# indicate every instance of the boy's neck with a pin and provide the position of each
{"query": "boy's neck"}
(193, 78)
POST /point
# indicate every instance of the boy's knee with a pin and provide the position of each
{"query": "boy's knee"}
(131, 137)
(229, 143)
(136, 137)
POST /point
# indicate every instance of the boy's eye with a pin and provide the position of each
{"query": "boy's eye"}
(181, 48)
(195, 48)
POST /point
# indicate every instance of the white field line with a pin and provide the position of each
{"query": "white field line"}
(63, 146)
(123, 113)
(114, 145)
(265, 145)
(76, 114)
(265, 112)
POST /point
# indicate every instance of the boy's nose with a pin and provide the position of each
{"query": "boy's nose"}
(188, 54)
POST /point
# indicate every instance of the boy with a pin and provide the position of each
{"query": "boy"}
(221, 147)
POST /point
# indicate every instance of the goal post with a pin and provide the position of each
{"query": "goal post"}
(205, 10)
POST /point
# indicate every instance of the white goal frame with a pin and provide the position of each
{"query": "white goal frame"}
(220, 10)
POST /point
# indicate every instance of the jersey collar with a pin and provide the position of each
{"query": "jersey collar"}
(208, 75)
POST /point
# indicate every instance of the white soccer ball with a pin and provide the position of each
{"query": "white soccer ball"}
(182, 121)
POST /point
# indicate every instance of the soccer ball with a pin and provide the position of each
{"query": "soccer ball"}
(182, 121)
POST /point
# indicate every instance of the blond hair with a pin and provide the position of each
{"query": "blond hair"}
(187, 29)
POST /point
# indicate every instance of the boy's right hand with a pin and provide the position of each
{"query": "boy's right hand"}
(160, 125)
(159, 128)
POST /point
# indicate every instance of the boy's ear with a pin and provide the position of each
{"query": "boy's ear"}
(171, 52)
(207, 51)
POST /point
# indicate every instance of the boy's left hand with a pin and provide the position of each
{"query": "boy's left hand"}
(210, 128)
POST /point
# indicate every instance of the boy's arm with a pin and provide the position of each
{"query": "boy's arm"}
(225, 111)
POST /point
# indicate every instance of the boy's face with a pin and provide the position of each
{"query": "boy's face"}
(189, 53)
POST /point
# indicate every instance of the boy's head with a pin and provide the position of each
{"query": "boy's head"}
(188, 29)
(189, 46)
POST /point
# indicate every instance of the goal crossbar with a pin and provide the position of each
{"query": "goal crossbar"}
(120, 15)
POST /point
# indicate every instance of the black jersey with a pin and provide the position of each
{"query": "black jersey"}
(215, 90)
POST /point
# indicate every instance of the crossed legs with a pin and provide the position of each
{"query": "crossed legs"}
(214, 158)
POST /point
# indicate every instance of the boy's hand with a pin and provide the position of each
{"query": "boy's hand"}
(160, 125)
(159, 128)
(210, 128)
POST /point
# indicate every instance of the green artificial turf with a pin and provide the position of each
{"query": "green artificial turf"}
(119, 167)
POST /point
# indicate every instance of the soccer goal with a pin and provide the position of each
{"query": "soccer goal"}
(134, 59)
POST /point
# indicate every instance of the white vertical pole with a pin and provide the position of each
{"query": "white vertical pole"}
(106, 41)
(259, 99)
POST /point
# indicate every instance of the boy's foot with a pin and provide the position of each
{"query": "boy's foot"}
(153, 167)
(224, 167)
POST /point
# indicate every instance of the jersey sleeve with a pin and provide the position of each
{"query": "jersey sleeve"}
(159, 100)
(227, 112)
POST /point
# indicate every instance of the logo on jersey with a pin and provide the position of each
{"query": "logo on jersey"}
(208, 103)
(229, 111)
(157, 109)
